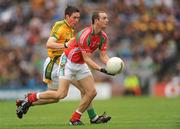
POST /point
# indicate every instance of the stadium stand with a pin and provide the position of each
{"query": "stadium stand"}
(144, 33)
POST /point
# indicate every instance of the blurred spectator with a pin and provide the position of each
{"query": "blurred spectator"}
(132, 85)
(144, 33)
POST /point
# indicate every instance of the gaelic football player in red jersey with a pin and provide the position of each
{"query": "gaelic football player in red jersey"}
(74, 65)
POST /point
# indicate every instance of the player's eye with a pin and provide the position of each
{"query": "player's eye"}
(76, 17)
(105, 18)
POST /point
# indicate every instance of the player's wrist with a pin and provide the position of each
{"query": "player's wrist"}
(103, 70)
(99, 69)
(65, 45)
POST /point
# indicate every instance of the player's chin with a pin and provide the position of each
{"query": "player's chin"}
(105, 26)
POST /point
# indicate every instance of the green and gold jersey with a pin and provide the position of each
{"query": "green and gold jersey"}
(63, 32)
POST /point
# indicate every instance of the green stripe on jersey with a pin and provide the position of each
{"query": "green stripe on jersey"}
(101, 42)
(79, 34)
(88, 41)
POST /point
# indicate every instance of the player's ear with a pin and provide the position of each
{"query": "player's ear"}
(96, 20)
(67, 17)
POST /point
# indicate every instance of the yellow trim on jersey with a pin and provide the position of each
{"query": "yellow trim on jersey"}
(47, 81)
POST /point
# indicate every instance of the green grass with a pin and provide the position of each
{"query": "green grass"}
(126, 112)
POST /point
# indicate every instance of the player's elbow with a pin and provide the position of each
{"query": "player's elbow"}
(48, 45)
(50, 42)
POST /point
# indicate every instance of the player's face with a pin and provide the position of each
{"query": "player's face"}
(73, 19)
(103, 20)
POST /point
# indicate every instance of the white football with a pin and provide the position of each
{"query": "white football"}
(115, 65)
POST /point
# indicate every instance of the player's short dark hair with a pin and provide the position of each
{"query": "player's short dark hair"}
(95, 15)
(70, 10)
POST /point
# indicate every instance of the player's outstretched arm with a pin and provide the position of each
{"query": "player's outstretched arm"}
(94, 65)
(103, 56)
(52, 43)
(88, 59)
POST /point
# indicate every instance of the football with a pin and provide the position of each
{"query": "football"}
(115, 65)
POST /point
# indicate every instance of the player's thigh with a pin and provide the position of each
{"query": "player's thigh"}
(50, 88)
(88, 84)
(85, 78)
(53, 85)
(63, 87)
(78, 86)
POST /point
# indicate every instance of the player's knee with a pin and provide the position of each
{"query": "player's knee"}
(82, 93)
(92, 93)
(62, 95)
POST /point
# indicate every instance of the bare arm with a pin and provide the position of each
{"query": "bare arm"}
(52, 43)
(90, 62)
(104, 57)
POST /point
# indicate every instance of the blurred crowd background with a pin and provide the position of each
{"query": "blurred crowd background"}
(144, 33)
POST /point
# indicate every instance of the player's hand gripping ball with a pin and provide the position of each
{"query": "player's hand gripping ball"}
(115, 65)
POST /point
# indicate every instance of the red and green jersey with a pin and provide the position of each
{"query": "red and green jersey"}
(86, 41)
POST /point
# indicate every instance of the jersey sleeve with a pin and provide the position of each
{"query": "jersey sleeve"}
(56, 31)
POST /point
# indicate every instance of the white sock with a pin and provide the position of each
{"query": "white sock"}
(95, 118)
(37, 95)
(79, 112)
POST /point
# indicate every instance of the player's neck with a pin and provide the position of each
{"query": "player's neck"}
(97, 30)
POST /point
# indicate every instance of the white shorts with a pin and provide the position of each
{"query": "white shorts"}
(69, 70)
(51, 73)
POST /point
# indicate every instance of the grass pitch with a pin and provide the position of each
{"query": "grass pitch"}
(126, 112)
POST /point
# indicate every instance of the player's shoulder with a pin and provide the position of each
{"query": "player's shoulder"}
(59, 22)
(85, 31)
(83, 34)
(58, 26)
(104, 34)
